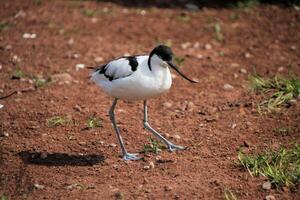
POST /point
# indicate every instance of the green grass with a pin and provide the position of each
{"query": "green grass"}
(245, 5)
(279, 89)
(281, 167)
(39, 81)
(94, 122)
(283, 131)
(3, 197)
(89, 12)
(57, 121)
(218, 32)
(179, 60)
(119, 195)
(184, 18)
(154, 146)
(228, 195)
(4, 25)
(17, 74)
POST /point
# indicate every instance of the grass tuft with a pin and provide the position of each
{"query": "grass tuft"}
(89, 12)
(179, 60)
(3, 197)
(94, 122)
(154, 146)
(184, 18)
(119, 195)
(40, 81)
(57, 121)
(283, 131)
(17, 74)
(228, 195)
(281, 167)
(282, 91)
(218, 32)
(4, 25)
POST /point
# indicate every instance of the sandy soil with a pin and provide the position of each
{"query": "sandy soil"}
(71, 162)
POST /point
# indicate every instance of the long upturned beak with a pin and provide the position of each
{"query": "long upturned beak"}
(173, 66)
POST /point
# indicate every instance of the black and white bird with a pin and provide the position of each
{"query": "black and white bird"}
(135, 78)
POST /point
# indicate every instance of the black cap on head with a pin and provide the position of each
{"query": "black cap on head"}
(163, 51)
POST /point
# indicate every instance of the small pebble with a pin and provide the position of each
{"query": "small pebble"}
(177, 137)
(185, 45)
(0, 66)
(207, 46)
(167, 104)
(199, 56)
(243, 71)
(112, 145)
(270, 197)
(77, 108)
(62, 78)
(75, 55)
(38, 186)
(79, 66)
(281, 69)
(94, 20)
(235, 65)
(29, 35)
(143, 12)
(267, 185)
(247, 55)
(146, 167)
(1, 106)
(294, 48)
(5, 134)
(70, 41)
(98, 59)
(8, 47)
(228, 87)
(233, 126)
(151, 164)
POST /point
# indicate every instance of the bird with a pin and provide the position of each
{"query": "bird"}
(138, 78)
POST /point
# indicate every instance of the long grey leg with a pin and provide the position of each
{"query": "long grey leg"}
(126, 155)
(171, 146)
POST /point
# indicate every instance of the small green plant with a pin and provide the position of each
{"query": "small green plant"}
(94, 122)
(234, 17)
(184, 18)
(228, 195)
(57, 121)
(4, 25)
(153, 147)
(247, 4)
(282, 167)
(17, 74)
(282, 130)
(218, 32)
(3, 197)
(282, 91)
(39, 81)
(179, 60)
(119, 195)
(89, 12)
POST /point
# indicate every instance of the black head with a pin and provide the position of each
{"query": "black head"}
(166, 55)
(162, 51)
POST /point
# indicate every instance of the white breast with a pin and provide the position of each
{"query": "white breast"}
(139, 85)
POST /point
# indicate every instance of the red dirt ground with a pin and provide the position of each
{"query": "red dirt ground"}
(81, 164)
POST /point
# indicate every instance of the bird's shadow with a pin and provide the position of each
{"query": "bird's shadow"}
(60, 159)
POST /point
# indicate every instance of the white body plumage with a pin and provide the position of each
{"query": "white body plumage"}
(121, 81)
